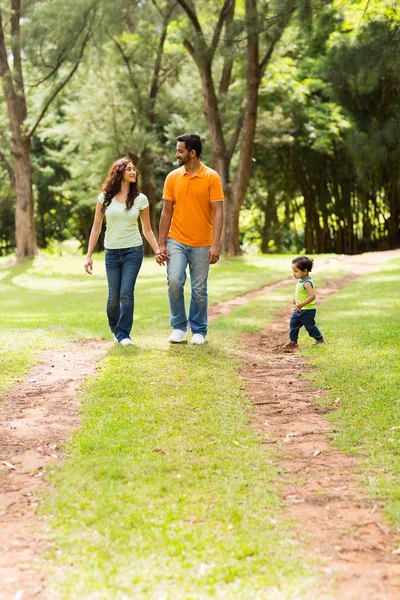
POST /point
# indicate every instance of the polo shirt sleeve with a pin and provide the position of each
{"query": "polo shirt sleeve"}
(168, 193)
(216, 191)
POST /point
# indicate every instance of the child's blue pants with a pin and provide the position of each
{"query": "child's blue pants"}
(304, 318)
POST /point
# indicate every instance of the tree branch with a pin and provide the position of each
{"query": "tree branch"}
(223, 15)
(4, 66)
(228, 59)
(193, 17)
(60, 86)
(127, 59)
(236, 135)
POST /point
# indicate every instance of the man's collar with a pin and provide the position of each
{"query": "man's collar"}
(199, 173)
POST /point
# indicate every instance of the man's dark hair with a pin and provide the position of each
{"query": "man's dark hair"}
(304, 263)
(192, 142)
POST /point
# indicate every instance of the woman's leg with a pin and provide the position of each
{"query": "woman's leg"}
(113, 271)
(131, 261)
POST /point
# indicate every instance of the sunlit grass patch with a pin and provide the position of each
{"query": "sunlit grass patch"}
(167, 491)
(359, 366)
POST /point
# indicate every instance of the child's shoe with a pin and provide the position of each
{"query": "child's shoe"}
(290, 346)
(320, 341)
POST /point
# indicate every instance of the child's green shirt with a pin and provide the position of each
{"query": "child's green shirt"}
(301, 294)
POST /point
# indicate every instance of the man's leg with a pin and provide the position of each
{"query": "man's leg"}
(176, 277)
(199, 268)
(113, 271)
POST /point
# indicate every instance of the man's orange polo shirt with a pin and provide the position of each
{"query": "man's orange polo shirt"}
(192, 218)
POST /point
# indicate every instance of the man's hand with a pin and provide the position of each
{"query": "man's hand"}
(162, 255)
(213, 254)
(89, 265)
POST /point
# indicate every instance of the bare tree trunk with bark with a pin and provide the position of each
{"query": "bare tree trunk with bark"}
(14, 92)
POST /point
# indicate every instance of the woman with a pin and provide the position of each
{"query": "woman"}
(122, 202)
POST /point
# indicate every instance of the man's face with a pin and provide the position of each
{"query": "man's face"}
(182, 153)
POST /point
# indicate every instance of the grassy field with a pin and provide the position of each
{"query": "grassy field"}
(362, 325)
(167, 492)
(51, 299)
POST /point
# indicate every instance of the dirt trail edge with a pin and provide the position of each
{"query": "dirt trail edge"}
(37, 416)
(41, 412)
(335, 520)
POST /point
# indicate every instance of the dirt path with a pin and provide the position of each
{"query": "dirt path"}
(41, 412)
(38, 416)
(335, 520)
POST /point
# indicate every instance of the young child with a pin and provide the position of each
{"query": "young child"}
(304, 304)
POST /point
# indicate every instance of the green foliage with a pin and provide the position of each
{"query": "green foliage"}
(327, 148)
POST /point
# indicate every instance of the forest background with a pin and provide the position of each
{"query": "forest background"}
(297, 102)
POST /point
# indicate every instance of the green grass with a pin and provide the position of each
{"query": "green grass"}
(167, 491)
(51, 299)
(359, 366)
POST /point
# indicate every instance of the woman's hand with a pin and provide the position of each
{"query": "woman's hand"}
(89, 265)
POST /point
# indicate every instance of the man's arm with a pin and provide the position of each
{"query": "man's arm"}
(218, 217)
(164, 227)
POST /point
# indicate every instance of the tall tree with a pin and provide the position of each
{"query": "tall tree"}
(63, 38)
(262, 26)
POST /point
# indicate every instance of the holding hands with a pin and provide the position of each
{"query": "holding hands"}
(162, 255)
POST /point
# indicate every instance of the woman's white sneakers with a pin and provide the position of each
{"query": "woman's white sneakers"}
(177, 336)
(197, 339)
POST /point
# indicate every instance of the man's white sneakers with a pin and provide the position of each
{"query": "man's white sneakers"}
(177, 336)
(197, 339)
(126, 342)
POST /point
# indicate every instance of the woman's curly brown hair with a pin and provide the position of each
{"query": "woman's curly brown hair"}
(112, 184)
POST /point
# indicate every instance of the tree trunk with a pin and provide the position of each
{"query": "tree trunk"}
(148, 188)
(24, 211)
(230, 236)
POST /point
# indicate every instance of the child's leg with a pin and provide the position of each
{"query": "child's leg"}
(295, 324)
(309, 324)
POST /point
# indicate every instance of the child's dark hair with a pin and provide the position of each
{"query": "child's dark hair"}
(304, 263)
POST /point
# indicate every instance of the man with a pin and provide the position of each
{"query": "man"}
(190, 233)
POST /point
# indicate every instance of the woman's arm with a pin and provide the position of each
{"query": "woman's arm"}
(94, 236)
(149, 234)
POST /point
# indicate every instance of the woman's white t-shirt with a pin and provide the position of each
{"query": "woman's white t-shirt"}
(122, 230)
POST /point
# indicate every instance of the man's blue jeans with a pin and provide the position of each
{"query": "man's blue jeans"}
(122, 268)
(304, 318)
(197, 258)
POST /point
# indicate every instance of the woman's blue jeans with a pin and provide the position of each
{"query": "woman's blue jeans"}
(122, 268)
(197, 258)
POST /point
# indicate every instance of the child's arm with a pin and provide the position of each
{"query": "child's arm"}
(311, 295)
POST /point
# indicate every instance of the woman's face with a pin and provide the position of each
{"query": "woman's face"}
(130, 173)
